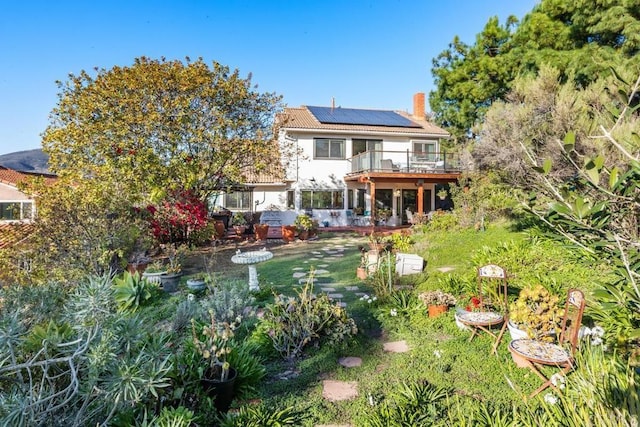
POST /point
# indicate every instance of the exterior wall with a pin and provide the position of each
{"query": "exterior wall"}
(9, 193)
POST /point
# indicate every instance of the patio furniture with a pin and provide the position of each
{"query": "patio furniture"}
(350, 217)
(409, 216)
(494, 278)
(536, 354)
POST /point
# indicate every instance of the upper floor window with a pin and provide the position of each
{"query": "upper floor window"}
(362, 145)
(16, 210)
(425, 150)
(326, 148)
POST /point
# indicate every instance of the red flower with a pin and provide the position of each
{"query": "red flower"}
(475, 301)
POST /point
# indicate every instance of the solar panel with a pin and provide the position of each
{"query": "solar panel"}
(352, 116)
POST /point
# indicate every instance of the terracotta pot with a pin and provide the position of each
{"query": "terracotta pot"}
(261, 230)
(220, 229)
(288, 233)
(303, 235)
(239, 229)
(437, 310)
(137, 268)
(520, 361)
(361, 273)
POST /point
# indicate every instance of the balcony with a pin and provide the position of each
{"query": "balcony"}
(405, 163)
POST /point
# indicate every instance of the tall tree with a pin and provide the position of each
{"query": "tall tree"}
(582, 39)
(160, 125)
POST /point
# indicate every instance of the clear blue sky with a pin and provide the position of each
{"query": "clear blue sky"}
(365, 54)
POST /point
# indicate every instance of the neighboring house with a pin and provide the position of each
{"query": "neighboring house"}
(355, 161)
(16, 208)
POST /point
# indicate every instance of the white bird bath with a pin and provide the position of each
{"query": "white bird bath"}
(251, 258)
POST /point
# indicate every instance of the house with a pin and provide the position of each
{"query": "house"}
(17, 210)
(358, 161)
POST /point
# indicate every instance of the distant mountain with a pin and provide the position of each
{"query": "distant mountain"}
(26, 161)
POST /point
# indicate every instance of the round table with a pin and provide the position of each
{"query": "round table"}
(251, 258)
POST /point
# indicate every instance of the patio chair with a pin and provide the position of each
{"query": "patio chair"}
(494, 278)
(536, 354)
(409, 216)
(350, 217)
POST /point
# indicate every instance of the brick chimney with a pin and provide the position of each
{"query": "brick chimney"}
(418, 106)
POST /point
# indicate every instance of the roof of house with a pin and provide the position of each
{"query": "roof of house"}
(13, 177)
(303, 119)
(13, 232)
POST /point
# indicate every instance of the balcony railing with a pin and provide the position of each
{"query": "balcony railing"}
(405, 162)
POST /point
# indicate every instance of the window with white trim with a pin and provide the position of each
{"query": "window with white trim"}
(322, 199)
(238, 200)
(327, 148)
(425, 150)
(16, 210)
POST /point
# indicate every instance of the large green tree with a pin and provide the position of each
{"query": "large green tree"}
(580, 38)
(158, 125)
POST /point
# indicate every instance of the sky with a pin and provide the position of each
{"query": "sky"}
(371, 54)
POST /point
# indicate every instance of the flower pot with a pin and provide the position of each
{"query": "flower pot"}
(303, 235)
(515, 332)
(520, 361)
(437, 310)
(261, 230)
(221, 391)
(170, 282)
(196, 284)
(239, 229)
(139, 267)
(153, 277)
(288, 233)
(361, 273)
(221, 230)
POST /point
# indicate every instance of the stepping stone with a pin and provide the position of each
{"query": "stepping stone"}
(305, 280)
(335, 391)
(396, 347)
(323, 265)
(360, 294)
(297, 268)
(328, 289)
(445, 269)
(342, 304)
(352, 288)
(316, 253)
(336, 296)
(350, 362)
(299, 275)
(320, 271)
(306, 262)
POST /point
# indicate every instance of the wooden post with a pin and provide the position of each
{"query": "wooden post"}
(372, 187)
(420, 201)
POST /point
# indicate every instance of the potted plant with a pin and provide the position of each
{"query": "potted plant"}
(383, 215)
(214, 343)
(289, 233)
(536, 313)
(303, 223)
(261, 231)
(171, 279)
(221, 230)
(442, 194)
(239, 223)
(378, 242)
(197, 282)
(138, 262)
(154, 272)
(437, 301)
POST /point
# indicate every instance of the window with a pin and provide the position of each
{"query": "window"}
(291, 199)
(362, 145)
(350, 198)
(322, 199)
(238, 200)
(324, 148)
(16, 210)
(425, 150)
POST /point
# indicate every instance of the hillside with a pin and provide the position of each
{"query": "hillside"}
(26, 161)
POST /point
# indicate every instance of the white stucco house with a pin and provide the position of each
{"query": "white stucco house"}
(353, 164)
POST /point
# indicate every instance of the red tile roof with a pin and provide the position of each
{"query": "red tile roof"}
(14, 232)
(13, 177)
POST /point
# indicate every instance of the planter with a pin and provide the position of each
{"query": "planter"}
(221, 391)
(376, 247)
(153, 277)
(261, 230)
(239, 229)
(170, 282)
(361, 273)
(221, 230)
(196, 284)
(520, 361)
(461, 325)
(437, 310)
(303, 235)
(515, 332)
(288, 233)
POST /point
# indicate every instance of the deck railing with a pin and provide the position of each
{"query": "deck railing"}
(405, 162)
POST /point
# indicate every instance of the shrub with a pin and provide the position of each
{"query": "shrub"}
(131, 291)
(295, 323)
(260, 416)
(443, 221)
(230, 299)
